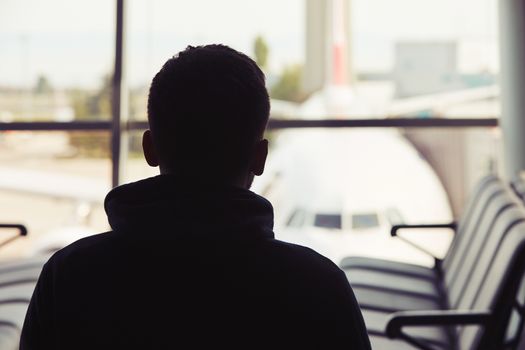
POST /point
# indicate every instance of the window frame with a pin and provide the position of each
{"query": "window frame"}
(120, 126)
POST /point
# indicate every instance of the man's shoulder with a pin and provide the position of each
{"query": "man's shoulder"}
(85, 247)
(302, 256)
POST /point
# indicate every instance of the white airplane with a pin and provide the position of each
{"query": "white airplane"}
(340, 191)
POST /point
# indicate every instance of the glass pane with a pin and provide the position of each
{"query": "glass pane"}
(349, 59)
(381, 177)
(56, 59)
(158, 29)
(336, 59)
(55, 184)
(388, 176)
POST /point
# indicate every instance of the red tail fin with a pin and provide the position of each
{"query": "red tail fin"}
(339, 73)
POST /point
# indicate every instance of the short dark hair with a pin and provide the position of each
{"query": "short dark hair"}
(208, 104)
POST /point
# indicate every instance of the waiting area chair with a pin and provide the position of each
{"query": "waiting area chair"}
(17, 282)
(9, 335)
(413, 307)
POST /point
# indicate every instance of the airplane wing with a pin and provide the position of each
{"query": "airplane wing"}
(435, 102)
(55, 185)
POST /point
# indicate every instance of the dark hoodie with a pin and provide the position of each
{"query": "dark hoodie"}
(189, 267)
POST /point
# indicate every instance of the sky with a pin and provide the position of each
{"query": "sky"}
(71, 41)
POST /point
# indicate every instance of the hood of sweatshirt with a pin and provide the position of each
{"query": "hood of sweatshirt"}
(165, 205)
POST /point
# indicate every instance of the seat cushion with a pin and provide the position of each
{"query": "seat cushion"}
(19, 276)
(387, 266)
(9, 337)
(388, 301)
(17, 291)
(383, 343)
(376, 325)
(14, 313)
(391, 282)
(21, 264)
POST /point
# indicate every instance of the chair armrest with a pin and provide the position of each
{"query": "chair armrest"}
(21, 228)
(398, 320)
(395, 228)
(22, 231)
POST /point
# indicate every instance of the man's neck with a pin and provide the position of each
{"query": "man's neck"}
(244, 181)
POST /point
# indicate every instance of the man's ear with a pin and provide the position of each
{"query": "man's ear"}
(259, 157)
(149, 149)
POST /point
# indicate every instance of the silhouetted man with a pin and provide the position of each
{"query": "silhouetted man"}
(191, 260)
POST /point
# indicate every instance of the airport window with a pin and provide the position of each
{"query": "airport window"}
(330, 221)
(56, 65)
(371, 117)
(364, 221)
(53, 182)
(56, 60)
(392, 60)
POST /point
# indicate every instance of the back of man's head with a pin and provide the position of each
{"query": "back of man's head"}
(207, 109)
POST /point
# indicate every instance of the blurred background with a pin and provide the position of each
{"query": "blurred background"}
(404, 97)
